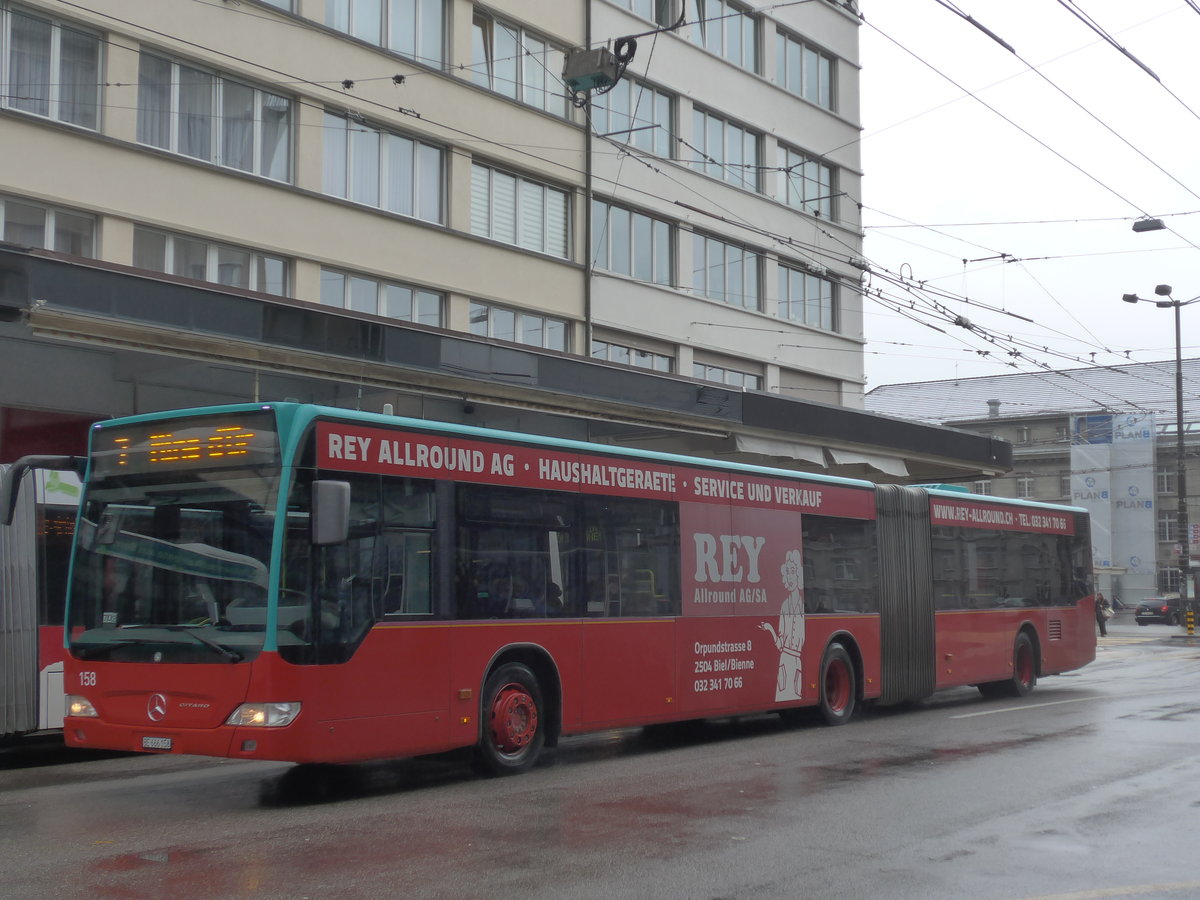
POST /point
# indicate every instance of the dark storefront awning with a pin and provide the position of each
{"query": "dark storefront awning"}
(82, 336)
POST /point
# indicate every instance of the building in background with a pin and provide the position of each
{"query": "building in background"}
(725, 181)
(1101, 437)
(399, 204)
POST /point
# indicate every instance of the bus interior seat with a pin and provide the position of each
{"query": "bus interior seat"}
(243, 611)
(200, 602)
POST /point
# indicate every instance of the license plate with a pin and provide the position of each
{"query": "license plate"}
(156, 743)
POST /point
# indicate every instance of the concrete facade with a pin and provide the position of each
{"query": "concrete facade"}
(418, 164)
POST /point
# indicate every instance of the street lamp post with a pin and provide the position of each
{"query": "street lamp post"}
(1164, 290)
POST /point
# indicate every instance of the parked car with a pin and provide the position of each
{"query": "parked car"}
(1158, 609)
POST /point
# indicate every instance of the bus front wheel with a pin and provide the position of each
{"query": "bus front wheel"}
(513, 726)
(837, 685)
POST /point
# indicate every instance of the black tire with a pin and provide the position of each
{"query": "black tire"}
(838, 686)
(512, 715)
(1024, 674)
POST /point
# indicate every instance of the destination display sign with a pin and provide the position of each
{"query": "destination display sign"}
(202, 442)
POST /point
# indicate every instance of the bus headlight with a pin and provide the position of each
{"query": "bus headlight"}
(80, 706)
(264, 715)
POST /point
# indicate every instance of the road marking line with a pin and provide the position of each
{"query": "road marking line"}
(1129, 891)
(1007, 709)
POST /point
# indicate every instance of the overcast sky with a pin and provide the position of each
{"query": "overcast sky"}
(1052, 171)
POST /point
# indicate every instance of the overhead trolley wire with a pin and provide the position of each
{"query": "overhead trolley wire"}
(1070, 162)
(851, 255)
(1066, 94)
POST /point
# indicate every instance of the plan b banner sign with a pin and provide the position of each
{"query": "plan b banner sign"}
(978, 515)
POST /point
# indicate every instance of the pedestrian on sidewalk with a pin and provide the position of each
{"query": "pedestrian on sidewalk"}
(1103, 611)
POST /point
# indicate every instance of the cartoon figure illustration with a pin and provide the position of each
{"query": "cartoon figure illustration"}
(790, 636)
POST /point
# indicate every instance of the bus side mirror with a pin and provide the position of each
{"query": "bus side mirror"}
(330, 512)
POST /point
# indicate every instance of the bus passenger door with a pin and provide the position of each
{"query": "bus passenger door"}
(630, 598)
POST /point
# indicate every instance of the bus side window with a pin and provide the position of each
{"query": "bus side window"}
(344, 575)
(403, 575)
(407, 578)
(631, 556)
(839, 565)
(515, 552)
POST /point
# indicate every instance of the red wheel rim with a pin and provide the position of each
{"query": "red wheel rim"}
(513, 719)
(1024, 665)
(837, 685)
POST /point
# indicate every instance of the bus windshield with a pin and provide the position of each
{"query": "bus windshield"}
(173, 554)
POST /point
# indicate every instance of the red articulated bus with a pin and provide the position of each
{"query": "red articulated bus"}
(292, 582)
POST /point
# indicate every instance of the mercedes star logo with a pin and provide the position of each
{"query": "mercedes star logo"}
(156, 708)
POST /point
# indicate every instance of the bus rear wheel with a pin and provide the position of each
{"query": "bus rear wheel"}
(1024, 666)
(1024, 674)
(838, 686)
(513, 727)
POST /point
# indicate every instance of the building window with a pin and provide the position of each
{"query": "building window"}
(384, 170)
(807, 184)
(721, 28)
(807, 298)
(412, 28)
(725, 150)
(1169, 581)
(731, 377)
(725, 272)
(1024, 434)
(1165, 481)
(631, 243)
(518, 326)
(724, 29)
(190, 257)
(982, 487)
(518, 211)
(209, 117)
(1025, 486)
(381, 298)
(1168, 526)
(631, 356)
(718, 26)
(53, 70)
(513, 62)
(804, 70)
(47, 227)
(1064, 485)
(655, 10)
(636, 114)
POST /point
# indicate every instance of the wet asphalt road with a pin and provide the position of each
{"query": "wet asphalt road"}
(1089, 788)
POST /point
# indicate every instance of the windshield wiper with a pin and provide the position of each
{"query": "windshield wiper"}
(190, 630)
